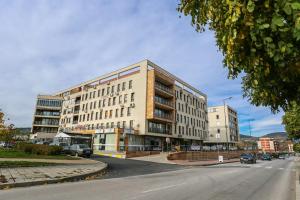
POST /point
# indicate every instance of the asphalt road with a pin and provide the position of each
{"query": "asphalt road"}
(126, 167)
(267, 180)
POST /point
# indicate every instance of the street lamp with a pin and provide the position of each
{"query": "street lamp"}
(227, 142)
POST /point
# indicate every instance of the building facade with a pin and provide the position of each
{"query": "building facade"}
(46, 117)
(139, 107)
(223, 126)
(267, 145)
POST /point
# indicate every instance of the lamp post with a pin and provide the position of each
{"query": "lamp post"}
(227, 142)
(249, 121)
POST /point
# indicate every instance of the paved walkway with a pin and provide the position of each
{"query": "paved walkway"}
(66, 170)
(159, 158)
(203, 162)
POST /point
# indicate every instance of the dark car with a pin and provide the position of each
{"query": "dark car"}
(247, 158)
(266, 157)
(81, 150)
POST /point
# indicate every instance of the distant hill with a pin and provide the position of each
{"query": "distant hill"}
(247, 137)
(282, 135)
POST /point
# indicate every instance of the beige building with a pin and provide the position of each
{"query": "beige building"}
(223, 126)
(136, 108)
(46, 117)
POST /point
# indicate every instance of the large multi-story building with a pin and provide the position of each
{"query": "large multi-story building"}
(268, 145)
(223, 126)
(140, 107)
(46, 117)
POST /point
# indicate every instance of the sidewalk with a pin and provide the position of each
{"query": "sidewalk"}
(297, 167)
(203, 162)
(67, 170)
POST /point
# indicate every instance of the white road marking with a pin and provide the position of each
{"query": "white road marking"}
(280, 168)
(269, 167)
(162, 188)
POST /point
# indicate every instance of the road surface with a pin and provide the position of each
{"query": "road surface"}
(266, 180)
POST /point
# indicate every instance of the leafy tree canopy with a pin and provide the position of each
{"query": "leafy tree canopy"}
(291, 120)
(258, 37)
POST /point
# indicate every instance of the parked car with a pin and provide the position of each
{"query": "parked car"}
(247, 158)
(266, 157)
(282, 157)
(81, 150)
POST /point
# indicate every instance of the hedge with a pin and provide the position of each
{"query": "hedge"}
(39, 149)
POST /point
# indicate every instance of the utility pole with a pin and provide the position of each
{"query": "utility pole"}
(227, 142)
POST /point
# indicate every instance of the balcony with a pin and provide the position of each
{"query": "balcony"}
(168, 117)
(75, 122)
(77, 102)
(164, 89)
(163, 103)
(159, 130)
(76, 111)
(40, 123)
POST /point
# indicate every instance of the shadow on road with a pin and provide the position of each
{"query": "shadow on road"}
(126, 167)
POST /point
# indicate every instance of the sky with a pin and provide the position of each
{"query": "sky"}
(50, 45)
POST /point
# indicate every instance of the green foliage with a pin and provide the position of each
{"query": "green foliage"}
(260, 40)
(39, 149)
(291, 120)
(296, 147)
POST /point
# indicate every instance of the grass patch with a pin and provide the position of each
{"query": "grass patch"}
(11, 153)
(8, 164)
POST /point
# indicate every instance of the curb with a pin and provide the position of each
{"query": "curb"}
(113, 155)
(208, 164)
(58, 180)
(297, 185)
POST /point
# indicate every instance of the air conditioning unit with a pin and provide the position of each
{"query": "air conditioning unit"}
(132, 105)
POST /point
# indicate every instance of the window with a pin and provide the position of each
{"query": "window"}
(96, 116)
(130, 84)
(112, 89)
(124, 124)
(88, 117)
(131, 123)
(109, 100)
(118, 88)
(107, 90)
(218, 130)
(91, 105)
(95, 102)
(128, 111)
(100, 115)
(117, 113)
(99, 104)
(92, 114)
(120, 99)
(98, 93)
(106, 114)
(125, 98)
(94, 94)
(114, 101)
(118, 124)
(217, 116)
(122, 112)
(132, 97)
(123, 86)
(103, 103)
(110, 113)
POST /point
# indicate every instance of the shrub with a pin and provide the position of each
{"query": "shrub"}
(39, 149)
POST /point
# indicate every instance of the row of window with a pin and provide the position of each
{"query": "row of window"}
(190, 100)
(191, 111)
(106, 91)
(191, 132)
(110, 102)
(119, 124)
(187, 120)
(108, 114)
(49, 102)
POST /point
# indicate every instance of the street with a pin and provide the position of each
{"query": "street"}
(266, 180)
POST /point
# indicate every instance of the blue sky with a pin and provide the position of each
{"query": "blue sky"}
(50, 45)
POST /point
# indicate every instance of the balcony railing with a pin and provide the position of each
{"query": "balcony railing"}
(163, 101)
(76, 111)
(75, 122)
(164, 88)
(45, 123)
(163, 116)
(159, 130)
(77, 102)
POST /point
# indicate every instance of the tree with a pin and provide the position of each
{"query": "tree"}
(260, 40)
(6, 132)
(291, 120)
